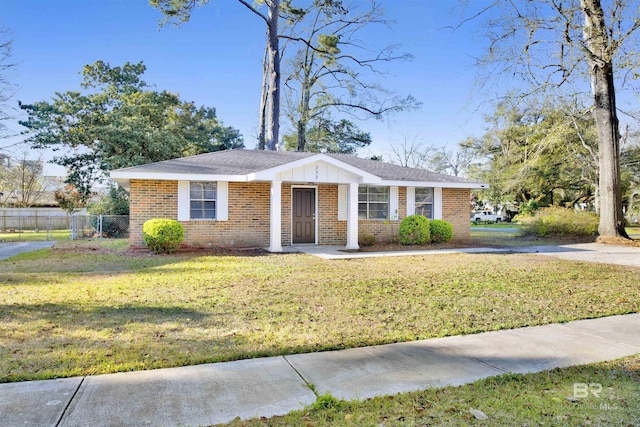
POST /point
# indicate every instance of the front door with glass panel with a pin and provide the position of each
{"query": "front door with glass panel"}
(304, 215)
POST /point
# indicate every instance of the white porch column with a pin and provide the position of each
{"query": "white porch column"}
(275, 220)
(352, 217)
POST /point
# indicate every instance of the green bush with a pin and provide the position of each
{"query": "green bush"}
(441, 231)
(414, 230)
(163, 236)
(560, 221)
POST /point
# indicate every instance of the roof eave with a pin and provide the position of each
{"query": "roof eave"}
(441, 184)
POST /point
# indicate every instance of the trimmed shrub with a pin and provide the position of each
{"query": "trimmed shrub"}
(367, 240)
(163, 236)
(560, 221)
(414, 230)
(441, 231)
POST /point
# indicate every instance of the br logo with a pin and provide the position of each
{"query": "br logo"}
(582, 390)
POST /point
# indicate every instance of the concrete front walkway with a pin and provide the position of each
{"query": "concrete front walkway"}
(217, 393)
(588, 252)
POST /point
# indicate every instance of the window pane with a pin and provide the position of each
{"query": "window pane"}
(196, 190)
(209, 190)
(378, 210)
(425, 209)
(362, 210)
(378, 197)
(196, 210)
(378, 190)
(424, 195)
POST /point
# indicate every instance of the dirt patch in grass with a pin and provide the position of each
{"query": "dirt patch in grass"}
(77, 313)
(619, 241)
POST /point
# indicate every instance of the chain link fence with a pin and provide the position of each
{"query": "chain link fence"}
(69, 227)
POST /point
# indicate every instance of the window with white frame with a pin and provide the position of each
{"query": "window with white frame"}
(424, 202)
(373, 202)
(202, 200)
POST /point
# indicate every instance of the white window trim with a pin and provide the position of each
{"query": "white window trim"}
(394, 211)
(437, 203)
(222, 201)
(343, 202)
(411, 201)
(368, 202)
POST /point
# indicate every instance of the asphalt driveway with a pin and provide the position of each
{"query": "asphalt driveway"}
(7, 250)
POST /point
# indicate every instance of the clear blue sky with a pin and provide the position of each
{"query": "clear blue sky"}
(215, 59)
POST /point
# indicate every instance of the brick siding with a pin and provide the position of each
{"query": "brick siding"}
(456, 209)
(248, 223)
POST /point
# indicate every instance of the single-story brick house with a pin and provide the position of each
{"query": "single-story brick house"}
(246, 198)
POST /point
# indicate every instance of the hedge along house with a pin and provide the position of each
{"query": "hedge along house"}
(245, 198)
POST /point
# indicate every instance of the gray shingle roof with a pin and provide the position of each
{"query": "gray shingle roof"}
(242, 162)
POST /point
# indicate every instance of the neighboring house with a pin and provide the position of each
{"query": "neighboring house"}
(244, 198)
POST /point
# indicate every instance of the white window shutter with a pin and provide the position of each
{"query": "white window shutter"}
(184, 211)
(437, 203)
(393, 203)
(411, 200)
(342, 202)
(222, 203)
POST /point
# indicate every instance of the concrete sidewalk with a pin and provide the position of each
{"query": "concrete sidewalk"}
(217, 393)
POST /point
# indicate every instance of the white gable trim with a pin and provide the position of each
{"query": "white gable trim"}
(272, 173)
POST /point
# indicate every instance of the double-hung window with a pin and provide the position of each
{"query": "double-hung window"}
(202, 200)
(424, 202)
(373, 202)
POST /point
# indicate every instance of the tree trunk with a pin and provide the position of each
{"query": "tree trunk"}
(263, 102)
(603, 91)
(302, 135)
(274, 75)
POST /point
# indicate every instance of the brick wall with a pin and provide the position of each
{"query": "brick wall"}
(330, 230)
(456, 210)
(150, 199)
(248, 223)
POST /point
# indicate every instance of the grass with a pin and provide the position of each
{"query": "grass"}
(91, 308)
(31, 236)
(545, 398)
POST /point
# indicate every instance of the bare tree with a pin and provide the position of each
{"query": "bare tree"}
(21, 181)
(412, 152)
(7, 88)
(554, 43)
(451, 162)
(334, 69)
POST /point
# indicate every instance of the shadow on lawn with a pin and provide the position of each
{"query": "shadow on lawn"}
(97, 317)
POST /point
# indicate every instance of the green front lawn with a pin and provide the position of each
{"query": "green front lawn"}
(84, 308)
(31, 236)
(543, 399)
